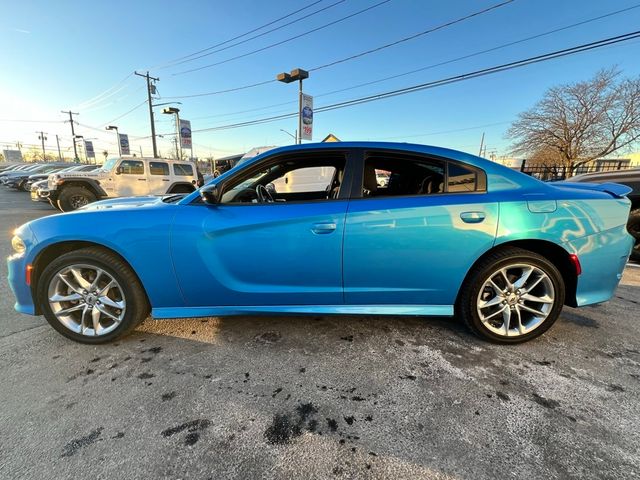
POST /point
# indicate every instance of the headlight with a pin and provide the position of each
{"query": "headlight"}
(17, 244)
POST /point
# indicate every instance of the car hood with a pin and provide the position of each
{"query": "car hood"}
(126, 202)
(616, 190)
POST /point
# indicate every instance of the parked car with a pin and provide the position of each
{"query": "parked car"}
(20, 168)
(630, 178)
(121, 177)
(37, 190)
(19, 180)
(450, 234)
(63, 168)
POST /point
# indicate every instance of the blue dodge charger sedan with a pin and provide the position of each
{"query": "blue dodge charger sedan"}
(308, 229)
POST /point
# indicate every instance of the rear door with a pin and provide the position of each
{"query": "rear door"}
(412, 241)
(159, 177)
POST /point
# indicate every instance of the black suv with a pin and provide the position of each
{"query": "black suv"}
(630, 178)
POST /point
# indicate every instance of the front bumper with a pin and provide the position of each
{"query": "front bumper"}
(18, 283)
(603, 257)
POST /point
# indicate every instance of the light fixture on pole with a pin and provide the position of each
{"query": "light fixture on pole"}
(295, 137)
(113, 127)
(78, 137)
(176, 112)
(299, 75)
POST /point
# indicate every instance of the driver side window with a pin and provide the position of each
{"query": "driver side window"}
(314, 177)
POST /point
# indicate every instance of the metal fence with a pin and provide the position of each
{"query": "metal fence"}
(556, 173)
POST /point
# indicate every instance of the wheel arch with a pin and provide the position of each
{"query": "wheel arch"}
(90, 185)
(549, 250)
(50, 252)
(179, 185)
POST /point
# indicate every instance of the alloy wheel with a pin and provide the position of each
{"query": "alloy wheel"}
(86, 299)
(515, 299)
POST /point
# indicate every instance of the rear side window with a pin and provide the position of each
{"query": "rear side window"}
(182, 170)
(158, 168)
(461, 179)
(132, 167)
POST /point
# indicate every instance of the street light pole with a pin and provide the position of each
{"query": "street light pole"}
(59, 152)
(113, 127)
(73, 134)
(150, 88)
(43, 138)
(176, 112)
(296, 74)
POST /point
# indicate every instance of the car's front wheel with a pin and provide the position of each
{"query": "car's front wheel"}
(512, 296)
(91, 296)
(72, 198)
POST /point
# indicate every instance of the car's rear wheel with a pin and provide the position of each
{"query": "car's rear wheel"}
(512, 296)
(72, 198)
(633, 227)
(91, 296)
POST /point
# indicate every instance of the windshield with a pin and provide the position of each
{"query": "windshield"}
(109, 164)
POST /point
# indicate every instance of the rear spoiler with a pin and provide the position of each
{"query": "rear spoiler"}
(616, 190)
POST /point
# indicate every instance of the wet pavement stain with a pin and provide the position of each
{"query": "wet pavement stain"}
(73, 446)
(268, 337)
(503, 396)
(193, 429)
(285, 427)
(145, 375)
(545, 402)
(168, 396)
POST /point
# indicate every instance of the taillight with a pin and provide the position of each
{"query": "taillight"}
(576, 263)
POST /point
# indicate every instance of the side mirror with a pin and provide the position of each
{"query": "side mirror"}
(210, 194)
(119, 170)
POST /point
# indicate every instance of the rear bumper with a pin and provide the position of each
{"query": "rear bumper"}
(603, 257)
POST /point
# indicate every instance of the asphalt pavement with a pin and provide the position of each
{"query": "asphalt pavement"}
(319, 397)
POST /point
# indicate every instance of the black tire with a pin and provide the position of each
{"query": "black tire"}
(137, 304)
(633, 227)
(466, 306)
(73, 197)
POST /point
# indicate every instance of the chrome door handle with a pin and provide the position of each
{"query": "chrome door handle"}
(323, 228)
(472, 217)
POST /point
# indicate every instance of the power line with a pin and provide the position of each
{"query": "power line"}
(281, 42)
(256, 36)
(105, 94)
(445, 81)
(342, 60)
(412, 37)
(178, 60)
(433, 65)
(124, 114)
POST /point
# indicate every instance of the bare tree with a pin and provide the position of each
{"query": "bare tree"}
(576, 123)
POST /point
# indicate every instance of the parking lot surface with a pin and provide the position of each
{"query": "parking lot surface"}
(319, 397)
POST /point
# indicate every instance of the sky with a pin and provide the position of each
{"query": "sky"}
(81, 55)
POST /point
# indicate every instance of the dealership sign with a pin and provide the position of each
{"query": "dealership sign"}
(88, 146)
(307, 117)
(185, 134)
(124, 143)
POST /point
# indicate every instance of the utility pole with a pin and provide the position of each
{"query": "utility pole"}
(73, 135)
(43, 138)
(151, 89)
(481, 145)
(59, 152)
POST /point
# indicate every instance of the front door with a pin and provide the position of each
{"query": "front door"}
(251, 251)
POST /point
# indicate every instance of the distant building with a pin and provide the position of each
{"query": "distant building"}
(330, 138)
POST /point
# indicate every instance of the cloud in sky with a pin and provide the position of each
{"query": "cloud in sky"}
(21, 30)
